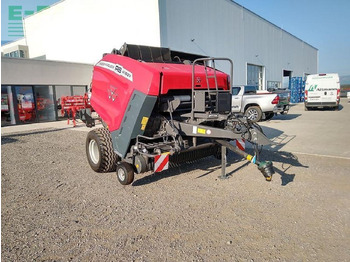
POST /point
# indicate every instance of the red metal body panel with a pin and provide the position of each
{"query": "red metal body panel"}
(179, 76)
(111, 92)
(116, 77)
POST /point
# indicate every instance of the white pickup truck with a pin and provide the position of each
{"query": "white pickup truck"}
(256, 106)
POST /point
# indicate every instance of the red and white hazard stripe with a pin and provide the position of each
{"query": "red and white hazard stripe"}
(240, 143)
(161, 162)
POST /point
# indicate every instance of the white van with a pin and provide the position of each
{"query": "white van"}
(322, 90)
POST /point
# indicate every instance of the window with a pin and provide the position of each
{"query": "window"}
(255, 76)
(7, 109)
(25, 104)
(30, 104)
(249, 90)
(67, 91)
(272, 85)
(16, 54)
(61, 91)
(45, 105)
(79, 90)
(235, 90)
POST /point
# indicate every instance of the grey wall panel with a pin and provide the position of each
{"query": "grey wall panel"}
(43, 72)
(223, 28)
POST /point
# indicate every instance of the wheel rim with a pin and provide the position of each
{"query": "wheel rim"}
(252, 114)
(121, 174)
(94, 152)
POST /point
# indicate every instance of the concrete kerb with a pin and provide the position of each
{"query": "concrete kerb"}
(9, 130)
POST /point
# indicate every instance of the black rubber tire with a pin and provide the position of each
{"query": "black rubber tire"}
(99, 151)
(253, 113)
(306, 108)
(125, 173)
(269, 115)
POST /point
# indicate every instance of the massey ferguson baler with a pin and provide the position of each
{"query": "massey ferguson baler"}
(159, 108)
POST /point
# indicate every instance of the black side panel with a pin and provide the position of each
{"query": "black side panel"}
(133, 52)
(165, 54)
(224, 102)
(157, 55)
(146, 53)
(134, 122)
(185, 56)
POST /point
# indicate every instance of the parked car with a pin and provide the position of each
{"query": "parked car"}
(255, 106)
(322, 90)
(284, 101)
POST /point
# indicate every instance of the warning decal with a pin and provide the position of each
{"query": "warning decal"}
(161, 162)
(240, 143)
(144, 123)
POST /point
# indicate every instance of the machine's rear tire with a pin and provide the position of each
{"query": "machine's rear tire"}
(253, 113)
(125, 173)
(99, 151)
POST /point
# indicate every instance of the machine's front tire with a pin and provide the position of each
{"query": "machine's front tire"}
(253, 113)
(125, 173)
(99, 151)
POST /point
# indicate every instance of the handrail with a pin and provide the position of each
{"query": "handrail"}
(204, 60)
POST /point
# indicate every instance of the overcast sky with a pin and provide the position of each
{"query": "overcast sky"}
(323, 24)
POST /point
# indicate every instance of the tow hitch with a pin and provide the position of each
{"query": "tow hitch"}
(265, 167)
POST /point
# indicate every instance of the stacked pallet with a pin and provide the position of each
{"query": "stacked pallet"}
(297, 87)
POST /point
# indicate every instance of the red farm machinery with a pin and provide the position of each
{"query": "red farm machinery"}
(161, 107)
(73, 106)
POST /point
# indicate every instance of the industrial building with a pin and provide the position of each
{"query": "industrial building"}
(31, 89)
(264, 54)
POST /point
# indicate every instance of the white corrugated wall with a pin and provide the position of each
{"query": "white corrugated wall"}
(224, 28)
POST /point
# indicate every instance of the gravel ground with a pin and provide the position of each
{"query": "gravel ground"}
(55, 208)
